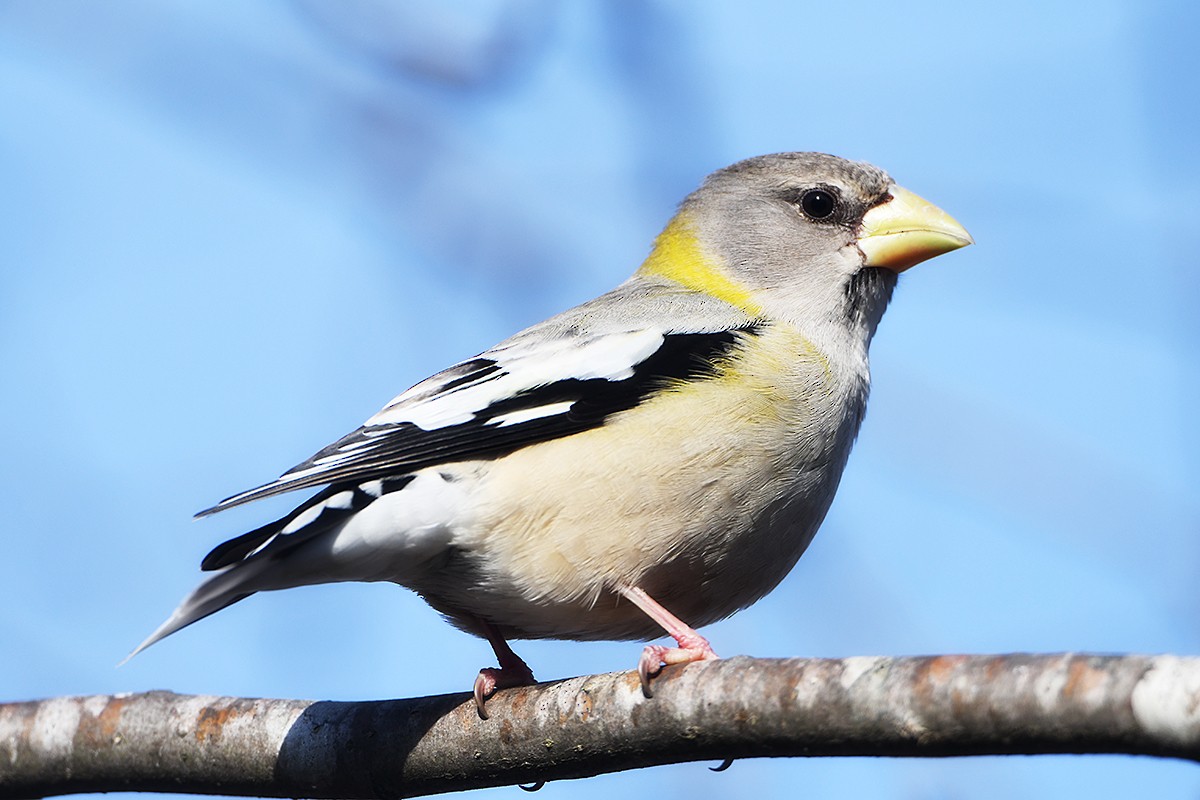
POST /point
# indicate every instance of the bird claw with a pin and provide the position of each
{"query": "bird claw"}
(485, 686)
(655, 656)
(490, 679)
(649, 665)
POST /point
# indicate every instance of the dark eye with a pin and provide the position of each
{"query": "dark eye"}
(818, 203)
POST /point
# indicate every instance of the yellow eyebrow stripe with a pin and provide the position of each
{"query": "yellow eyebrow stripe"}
(677, 256)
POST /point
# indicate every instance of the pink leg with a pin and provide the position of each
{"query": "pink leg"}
(512, 672)
(692, 646)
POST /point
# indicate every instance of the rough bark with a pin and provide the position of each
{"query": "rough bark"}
(734, 708)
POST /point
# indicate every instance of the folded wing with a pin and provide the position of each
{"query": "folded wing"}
(505, 399)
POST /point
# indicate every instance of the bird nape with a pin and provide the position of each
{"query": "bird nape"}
(650, 461)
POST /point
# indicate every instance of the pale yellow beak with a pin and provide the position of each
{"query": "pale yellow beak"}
(907, 230)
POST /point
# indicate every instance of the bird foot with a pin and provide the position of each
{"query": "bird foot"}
(691, 648)
(490, 679)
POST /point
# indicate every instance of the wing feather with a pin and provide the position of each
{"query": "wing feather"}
(505, 399)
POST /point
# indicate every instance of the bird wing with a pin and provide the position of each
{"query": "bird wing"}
(526, 391)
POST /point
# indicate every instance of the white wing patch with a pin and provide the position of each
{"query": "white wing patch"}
(521, 368)
(506, 398)
(530, 414)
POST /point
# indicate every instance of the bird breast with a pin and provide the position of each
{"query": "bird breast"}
(705, 499)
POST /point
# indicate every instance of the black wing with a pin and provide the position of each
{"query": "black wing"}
(504, 400)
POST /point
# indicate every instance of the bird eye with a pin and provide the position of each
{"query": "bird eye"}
(818, 204)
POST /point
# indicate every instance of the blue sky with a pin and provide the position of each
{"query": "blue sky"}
(230, 232)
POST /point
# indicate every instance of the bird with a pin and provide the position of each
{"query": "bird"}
(650, 461)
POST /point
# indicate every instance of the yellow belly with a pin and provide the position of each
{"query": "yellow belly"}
(704, 496)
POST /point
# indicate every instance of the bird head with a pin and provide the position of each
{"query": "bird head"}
(807, 237)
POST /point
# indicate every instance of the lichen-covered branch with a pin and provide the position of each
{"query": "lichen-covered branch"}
(734, 708)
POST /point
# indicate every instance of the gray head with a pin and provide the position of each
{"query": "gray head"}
(815, 239)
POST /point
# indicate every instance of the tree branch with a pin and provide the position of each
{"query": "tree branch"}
(734, 708)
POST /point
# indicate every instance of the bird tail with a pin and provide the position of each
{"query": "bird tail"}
(220, 591)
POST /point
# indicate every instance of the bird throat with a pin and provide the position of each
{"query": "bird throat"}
(867, 296)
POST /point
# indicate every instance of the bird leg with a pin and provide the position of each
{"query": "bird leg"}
(692, 646)
(512, 671)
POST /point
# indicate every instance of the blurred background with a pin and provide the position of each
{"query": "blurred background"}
(229, 232)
